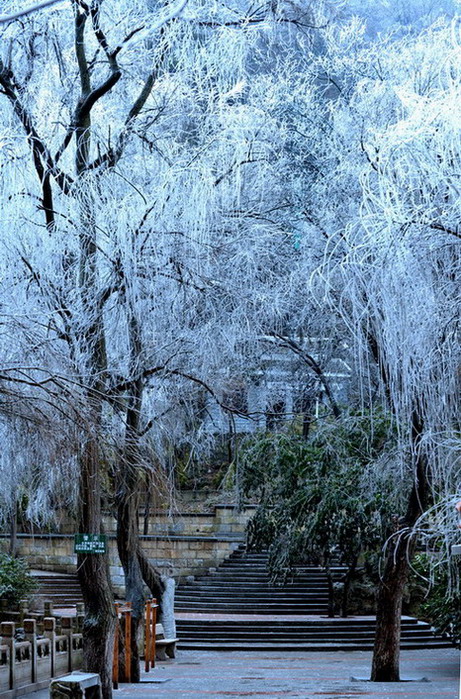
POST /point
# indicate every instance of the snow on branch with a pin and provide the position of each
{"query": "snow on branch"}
(149, 31)
(28, 10)
(175, 11)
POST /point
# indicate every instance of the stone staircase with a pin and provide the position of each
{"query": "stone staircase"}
(241, 585)
(236, 608)
(303, 635)
(60, 589)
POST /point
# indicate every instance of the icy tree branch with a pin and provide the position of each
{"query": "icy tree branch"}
(28, 10)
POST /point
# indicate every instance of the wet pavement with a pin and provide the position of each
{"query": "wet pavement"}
(212, 675)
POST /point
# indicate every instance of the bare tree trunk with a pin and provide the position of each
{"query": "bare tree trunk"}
(14, 528)
(347, 584)
(93, 574)
(127, 543)
(386, 652)
(151, 577)
(137, 569)
(128, 501)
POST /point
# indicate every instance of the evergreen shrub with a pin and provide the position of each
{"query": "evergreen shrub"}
(16, 583)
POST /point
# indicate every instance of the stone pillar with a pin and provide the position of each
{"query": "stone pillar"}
(49, 631)
(30, 632)
(167, 616)
(80, 616)
(48, 608)
(67, 630)
(7, 631)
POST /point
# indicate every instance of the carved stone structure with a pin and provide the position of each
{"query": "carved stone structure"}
(31, 663)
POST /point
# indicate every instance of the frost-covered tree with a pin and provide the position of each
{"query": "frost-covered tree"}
(393, 260)
(149, 220)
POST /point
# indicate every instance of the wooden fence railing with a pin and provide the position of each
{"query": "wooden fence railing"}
(121, 670)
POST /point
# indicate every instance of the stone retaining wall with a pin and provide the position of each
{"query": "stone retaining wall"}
(177, 556)
(225, 520)
(181, 545)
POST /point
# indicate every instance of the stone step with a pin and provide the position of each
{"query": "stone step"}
(260, 599)
(250, 594)
(316, 609)
(61, 590)
(212, 584)
(262, 565)
(241, 585)
(259, 579)
(263, 580)
(241, 607)
(336, 623)
(300, 638)
(297, 605)
(243, 602)
(307, 647)
(73, 590)
(297, 629)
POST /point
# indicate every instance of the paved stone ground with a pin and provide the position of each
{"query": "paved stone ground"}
(214, 675)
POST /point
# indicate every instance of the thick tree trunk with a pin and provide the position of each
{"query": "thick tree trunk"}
(151, 577)
(99, 623)
(127, 543)
(93, 574)
(128, 501)
(386, 652)
(136, 567)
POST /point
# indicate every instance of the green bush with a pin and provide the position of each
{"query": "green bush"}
(437, 602)
(15, 581)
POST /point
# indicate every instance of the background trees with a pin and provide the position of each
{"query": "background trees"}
(182, 196)
(147, 227)
(325, 500)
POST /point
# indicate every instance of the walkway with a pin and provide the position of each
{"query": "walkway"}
(212, 675)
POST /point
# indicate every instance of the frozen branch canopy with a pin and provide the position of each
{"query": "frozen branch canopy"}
(28, 10)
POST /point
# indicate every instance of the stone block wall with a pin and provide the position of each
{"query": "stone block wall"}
(187, 544)
(225, 520)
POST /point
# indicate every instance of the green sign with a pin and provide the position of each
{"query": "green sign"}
(90, 543)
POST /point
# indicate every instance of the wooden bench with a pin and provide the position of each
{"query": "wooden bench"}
(164, 646)
(77, 685)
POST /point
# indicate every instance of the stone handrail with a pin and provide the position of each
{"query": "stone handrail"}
(31, 663)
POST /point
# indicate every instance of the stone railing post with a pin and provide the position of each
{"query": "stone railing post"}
(23, 610)
(80, 607)
(7, 631)
(67, 630)
(49, 631)
(48, 608)
(30, 632)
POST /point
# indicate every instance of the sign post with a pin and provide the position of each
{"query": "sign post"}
(90, 543)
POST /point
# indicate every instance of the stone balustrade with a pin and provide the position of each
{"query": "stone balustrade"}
(51, 648)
